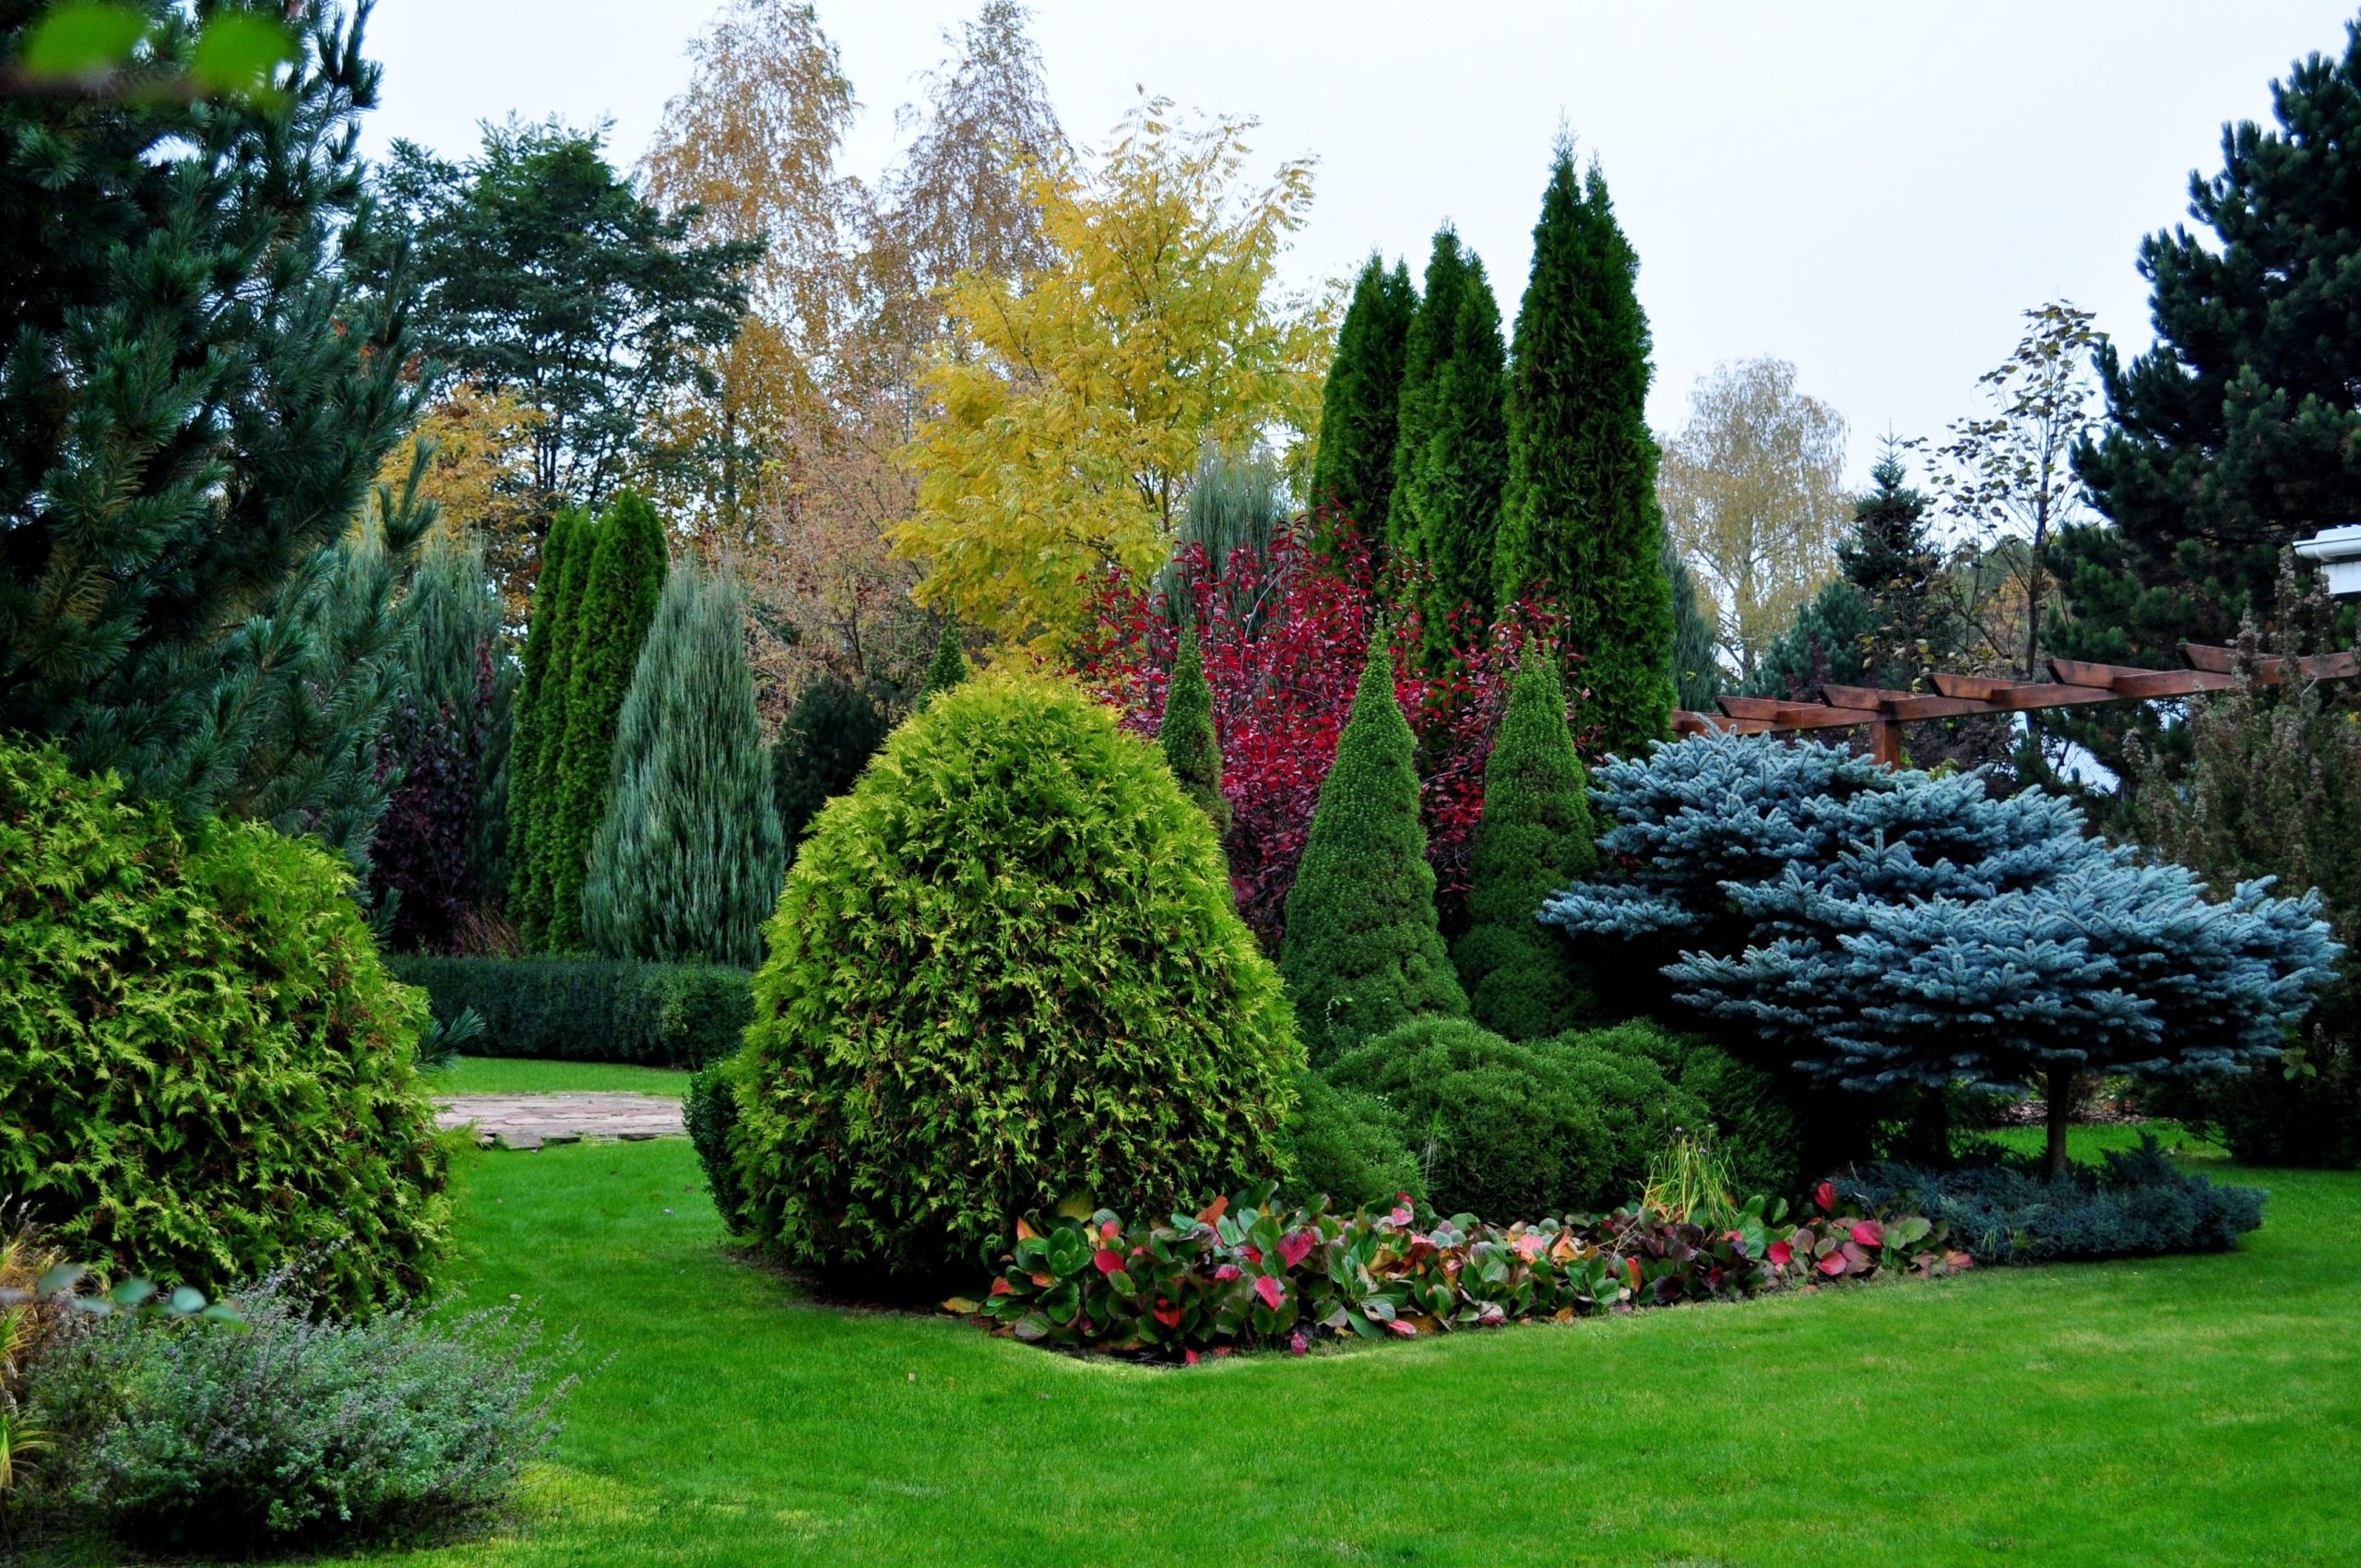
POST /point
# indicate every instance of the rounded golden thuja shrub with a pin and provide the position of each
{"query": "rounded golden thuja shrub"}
(1005, 975)
(206, 1073)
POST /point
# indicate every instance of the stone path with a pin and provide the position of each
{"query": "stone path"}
(529, 1121)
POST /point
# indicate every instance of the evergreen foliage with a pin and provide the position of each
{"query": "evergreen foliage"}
(1186, 732)
(1453, 464)
(540, 726)
(1755, 1129)
(1005, 974)
(1236, 503)
(1535, 839)
(207, 1071)
(1352, 474)
(1580, 519)
(1347, 1146)
(1696, 668)
(2237, 429)
(948, 668)
(440, 849)
(1880, 929)
(1900, 573)
(709, 1115)
(686, 864)
(591, 1009)
(1363, 949)
(194, 403)
(1825, 644)
(619, 597)
(830, 736)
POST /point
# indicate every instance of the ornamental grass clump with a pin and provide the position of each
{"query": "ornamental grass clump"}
(1005, 975)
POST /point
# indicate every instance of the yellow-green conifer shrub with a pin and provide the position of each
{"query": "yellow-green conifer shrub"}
(1005, 975)
(206, 1071)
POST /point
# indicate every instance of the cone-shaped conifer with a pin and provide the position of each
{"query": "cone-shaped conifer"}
(1363, 952)
(1187, 733)
(1580, 516)
(1535, 839)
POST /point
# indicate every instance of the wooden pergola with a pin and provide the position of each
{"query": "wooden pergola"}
(2074, 684)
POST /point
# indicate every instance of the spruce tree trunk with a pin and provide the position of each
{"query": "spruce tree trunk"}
(2060, 1089)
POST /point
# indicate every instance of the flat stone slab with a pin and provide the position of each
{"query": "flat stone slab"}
(531, 1120)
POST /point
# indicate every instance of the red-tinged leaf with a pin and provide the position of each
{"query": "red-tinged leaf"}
(1109, 1262)
(1026, 1232)
(1108, 1230)
(1833, 1265)
(1254, 1256)
(1632, 1266)
(1297, 1247)
(1003, 1288)
(1854, 1255)
(1271, 1290)
(1959, 1259)
(1402, 1215)
(1212, 1211)
(1044, 1281)
(1227, 1273)
(1406, 1330)
(1825, 1196)
(1782, 1254)
(1166, 1313)
(1297, 1342)
(1868, 1232)
(1189, 1358)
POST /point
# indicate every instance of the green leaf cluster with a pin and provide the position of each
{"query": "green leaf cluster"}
(206, 1069)
(1005, 974)
(1364, 950)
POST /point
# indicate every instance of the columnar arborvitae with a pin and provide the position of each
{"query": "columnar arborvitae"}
(1534, 839)
(1581, 515)
(1456, 479)
(949, 667)
(1353, 472)
(830, 736)
(533, 760)
(1363, 951)
(1186, 731)
(619, 598)
(687, 862)
(1434, 326)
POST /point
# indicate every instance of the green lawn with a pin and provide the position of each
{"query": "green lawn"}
(515, 1075)
(2189, 1411)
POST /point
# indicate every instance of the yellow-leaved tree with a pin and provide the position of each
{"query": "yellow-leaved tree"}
(1073, 399)
(480, 475)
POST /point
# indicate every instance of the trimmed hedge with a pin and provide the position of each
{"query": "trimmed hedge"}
(1347, 1146)
(592, 1009)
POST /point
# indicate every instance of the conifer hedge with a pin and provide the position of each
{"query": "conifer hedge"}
(1005, 975)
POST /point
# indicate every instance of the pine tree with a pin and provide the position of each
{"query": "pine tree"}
(619, 597)
(194, 401)
(1900, 573)
(1363, 951)
(1581, 515)
(540, 730)
(1696, 671)
(1824, 644)
(830, 736)
(1534, 839)
(1353, 471)
(1186, 732)
(2235, 431)
(949, 666)
(1451, 467)
(688, 860)
(1427, 348)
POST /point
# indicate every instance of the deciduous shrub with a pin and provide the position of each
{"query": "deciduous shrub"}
(1505, 1127)
(1237, 1277)
(2135, 1204)
(206, 1071)
(291, 1429)
(1005, 974)
(1347, 1147)
(592, 1009)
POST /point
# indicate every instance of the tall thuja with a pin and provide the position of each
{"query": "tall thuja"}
(440, 844)
(1453, 472)
(687, 864)
(1696, 673)
(1353, 471)
(1425, 351)
(1186, 732)
(1363, 949)
(1891, 558)
(193, 401)
(1535, 839)
(618, 596)
(539, 731)
(1581, 513)
(830, 736)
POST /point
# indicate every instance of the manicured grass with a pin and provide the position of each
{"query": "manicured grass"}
(514, 1074)
(2187, 1410)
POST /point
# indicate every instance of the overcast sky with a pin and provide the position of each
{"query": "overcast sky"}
(1873, 191)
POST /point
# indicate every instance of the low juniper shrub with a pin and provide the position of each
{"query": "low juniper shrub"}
(1240, 1275)
(290, 1430)
(2137, 1204)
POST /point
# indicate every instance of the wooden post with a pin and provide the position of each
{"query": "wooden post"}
(1885, 743)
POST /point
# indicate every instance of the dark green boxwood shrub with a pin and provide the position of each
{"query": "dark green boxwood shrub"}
(1347, 1147)
(206, 1071)
(1512, 1130)
(1005, 975)
(1755, 1127)
(709, 1109)
(2135, 1204)
(290, 1430)
(592, 1009)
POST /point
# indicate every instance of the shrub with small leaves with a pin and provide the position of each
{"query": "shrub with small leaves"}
(1347, 1146)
